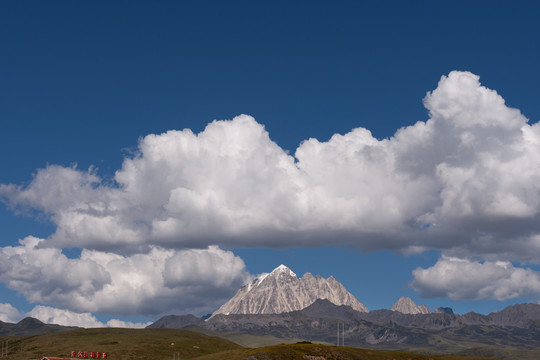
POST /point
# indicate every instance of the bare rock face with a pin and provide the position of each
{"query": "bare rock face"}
(443, 310)
(406, 306)
(282, 291)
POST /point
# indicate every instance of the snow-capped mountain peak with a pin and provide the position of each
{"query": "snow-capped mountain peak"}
(282, 291)
(282, 269)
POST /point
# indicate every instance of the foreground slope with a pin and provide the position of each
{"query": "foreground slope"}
(124, 344)
(119, 344)
(321, 352)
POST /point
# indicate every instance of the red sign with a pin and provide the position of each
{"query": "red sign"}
(89, 354)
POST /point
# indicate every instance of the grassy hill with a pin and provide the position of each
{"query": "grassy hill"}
(324, 352)
(118, 343)
(123, 344)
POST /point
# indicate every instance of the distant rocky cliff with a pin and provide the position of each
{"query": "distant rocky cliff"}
(406, 306)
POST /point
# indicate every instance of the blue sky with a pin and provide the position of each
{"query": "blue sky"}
(83, 84)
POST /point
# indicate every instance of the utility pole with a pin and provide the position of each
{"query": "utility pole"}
(4, 349)
(341, 326)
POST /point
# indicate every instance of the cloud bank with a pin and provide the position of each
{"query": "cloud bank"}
(107, 283)
(465, 182)
(460, 279)
(9, 314)
(50, 315)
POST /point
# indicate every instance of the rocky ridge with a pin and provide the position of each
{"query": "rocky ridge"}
(282, 291)
(443, 310)
(406, 306)
(515, 327)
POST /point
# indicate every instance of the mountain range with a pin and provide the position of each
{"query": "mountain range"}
(521, 316)
(282, 291)
(312, 308)
(513, 333)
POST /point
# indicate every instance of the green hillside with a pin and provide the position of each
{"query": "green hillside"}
(323, 352)
(123, 344)
(118, 343)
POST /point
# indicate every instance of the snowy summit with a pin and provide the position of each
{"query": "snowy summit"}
(282, 291)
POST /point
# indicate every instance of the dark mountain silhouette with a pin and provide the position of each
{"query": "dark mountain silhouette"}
(30, 326)
(176, 321)
(515, 328)
(520, 315)
(443, 310)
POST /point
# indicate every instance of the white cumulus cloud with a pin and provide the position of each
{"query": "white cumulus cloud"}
(193, 280)
(466, 180)
(126, 324)
(9, 314)
(468, 279)
(51, 315)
